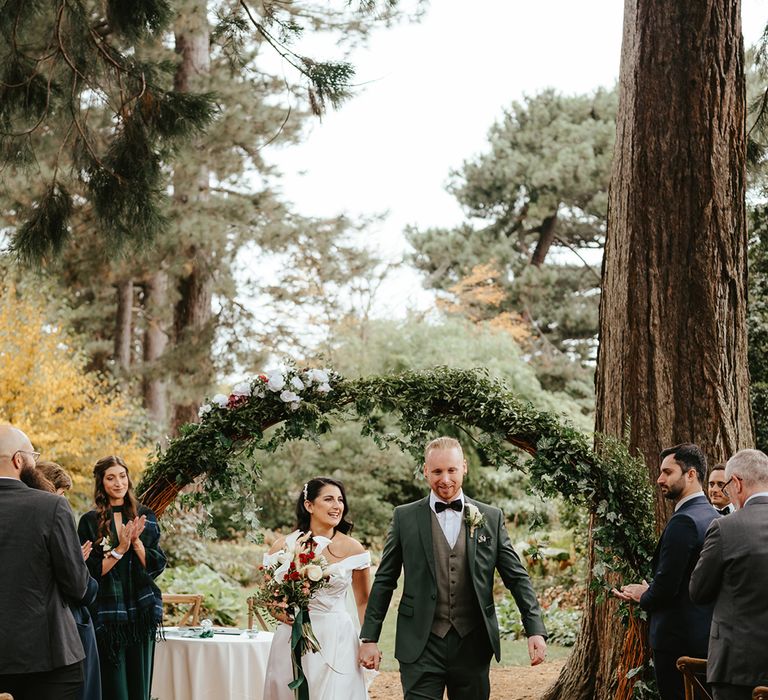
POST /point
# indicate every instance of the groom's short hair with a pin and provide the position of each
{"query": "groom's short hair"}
(443, 443)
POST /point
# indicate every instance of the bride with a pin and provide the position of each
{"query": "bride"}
(333, 672)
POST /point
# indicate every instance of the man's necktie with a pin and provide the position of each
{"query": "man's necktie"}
(453, 505)
(724, 511)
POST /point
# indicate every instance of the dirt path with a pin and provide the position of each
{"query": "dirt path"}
(508, 683)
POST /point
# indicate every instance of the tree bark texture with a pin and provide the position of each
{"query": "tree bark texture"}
(672, 361)
(124, 324)
(192, 313)
(546, 239)
(155, 341)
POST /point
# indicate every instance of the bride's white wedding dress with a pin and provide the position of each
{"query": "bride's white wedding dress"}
(333, 673)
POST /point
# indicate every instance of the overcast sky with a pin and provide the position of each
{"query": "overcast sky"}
(432, 91)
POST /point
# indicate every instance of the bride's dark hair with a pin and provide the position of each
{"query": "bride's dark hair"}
(309, 492)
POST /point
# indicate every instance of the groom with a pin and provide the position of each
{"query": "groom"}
(448, 545)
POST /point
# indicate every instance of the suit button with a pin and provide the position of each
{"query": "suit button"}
(433, 596)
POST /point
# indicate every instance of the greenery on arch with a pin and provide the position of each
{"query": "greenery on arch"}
(299, 404)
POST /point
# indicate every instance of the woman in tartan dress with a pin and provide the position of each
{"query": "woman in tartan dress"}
(125, 560)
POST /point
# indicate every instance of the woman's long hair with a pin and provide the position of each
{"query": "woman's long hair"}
(309, 492)
(103, 508)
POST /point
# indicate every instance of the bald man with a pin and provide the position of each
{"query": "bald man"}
(42, 566)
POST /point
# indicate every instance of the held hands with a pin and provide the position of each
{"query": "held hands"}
(632, 592)
(369, 655)
(537, 649)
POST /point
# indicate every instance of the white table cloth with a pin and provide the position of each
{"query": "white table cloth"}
(224, 667)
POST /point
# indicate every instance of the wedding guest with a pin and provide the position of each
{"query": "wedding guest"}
(60, 482)
(732, 573)
(57, 475)
(678, 626)
(717, 496)
(126, 558)
(41, 655)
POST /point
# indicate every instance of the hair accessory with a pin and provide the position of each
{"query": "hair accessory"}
(305, 492)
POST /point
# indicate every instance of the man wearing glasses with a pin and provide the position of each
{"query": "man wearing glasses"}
(732, 573)
(42, 566)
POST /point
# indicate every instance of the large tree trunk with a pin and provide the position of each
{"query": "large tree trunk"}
(192, 314)
(673, 356)
(155, 341)
(124, 324)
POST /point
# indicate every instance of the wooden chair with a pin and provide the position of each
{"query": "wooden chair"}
(192, 616)
(760, 693)
(694, 672)
(253, 612)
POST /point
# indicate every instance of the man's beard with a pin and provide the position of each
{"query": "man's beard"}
(35, 479)
(673, 492)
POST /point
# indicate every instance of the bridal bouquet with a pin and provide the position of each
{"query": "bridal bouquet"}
(289, 579)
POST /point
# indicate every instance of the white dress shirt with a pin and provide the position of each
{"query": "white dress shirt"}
(449, 520)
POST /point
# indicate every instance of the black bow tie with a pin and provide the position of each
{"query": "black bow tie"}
(724, 511)
(453, 505)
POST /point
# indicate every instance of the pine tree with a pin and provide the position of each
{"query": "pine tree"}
(147, 315)
(539, 191)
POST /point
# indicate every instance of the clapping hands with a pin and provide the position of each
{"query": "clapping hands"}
(130, 533)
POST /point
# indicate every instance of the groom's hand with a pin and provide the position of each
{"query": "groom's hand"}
(537, 649)
(369, 655)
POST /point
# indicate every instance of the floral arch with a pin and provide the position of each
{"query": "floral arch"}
(299, 404)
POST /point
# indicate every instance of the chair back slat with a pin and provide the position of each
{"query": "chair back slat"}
(191, 616)
(694, 677)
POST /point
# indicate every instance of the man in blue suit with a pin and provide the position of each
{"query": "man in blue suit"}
(678, 627)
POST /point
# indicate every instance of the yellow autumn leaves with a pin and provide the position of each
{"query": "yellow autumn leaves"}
(72, 416)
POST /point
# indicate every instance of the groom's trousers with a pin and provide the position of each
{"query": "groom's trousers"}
(459, 664)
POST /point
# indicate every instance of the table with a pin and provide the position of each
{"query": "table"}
(224, 667)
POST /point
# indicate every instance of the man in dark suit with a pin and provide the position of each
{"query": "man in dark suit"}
(732, 573)
(717, 497)
(42, 565)
(678, 627)
(449, 547)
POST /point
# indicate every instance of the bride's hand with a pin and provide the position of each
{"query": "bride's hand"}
(280, 614)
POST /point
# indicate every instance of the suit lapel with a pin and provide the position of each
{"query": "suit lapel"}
(425, 533)
(471, 541)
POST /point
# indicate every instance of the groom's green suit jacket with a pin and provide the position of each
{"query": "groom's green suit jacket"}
(409, 548)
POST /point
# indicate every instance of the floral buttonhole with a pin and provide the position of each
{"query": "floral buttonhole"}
(474, 518)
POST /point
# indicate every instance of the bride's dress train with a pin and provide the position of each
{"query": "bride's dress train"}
(333, 673)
